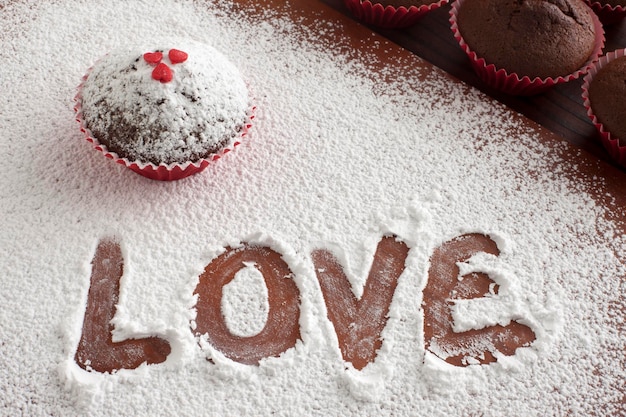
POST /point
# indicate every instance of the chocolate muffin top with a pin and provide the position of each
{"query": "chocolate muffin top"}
(607, 97)
(164, 105)
(536, 38)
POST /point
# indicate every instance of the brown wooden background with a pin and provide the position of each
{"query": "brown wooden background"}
(559, 110)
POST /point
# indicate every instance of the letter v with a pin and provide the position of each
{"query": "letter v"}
(96, 349)
(359, 323)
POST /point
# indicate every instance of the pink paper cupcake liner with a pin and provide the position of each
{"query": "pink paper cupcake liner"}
(610, 142)
(389, 17)
(608, 14)
(512, 83)
(161, 172)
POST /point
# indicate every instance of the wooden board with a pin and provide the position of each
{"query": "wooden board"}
(344, 309)
(358, 322)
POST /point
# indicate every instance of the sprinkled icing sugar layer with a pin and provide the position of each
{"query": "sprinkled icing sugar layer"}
(343, 151)
(165, 105)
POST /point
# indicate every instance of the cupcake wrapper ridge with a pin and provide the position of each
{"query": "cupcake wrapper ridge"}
(610, 142)
(609, 15)
(389, 17)
(512, 83)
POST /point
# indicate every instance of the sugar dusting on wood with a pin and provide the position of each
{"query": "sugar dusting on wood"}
(343, 152)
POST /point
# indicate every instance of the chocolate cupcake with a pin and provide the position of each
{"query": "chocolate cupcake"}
(604, 96)
(524, 47)
(164, 112)
(609, 11)
(391, 13)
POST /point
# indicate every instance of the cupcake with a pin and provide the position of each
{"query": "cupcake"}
(609, 11)
(604, 96)
(524, 47)
(391, 13)
(164, 112)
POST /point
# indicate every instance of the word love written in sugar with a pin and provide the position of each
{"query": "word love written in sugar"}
(358, 322)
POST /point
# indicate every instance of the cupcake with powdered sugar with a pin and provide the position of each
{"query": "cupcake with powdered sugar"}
(164, 112)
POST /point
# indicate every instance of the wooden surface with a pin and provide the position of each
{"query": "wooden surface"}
(559, 110)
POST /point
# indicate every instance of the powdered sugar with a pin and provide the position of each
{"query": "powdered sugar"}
(339, 155)
(245, 304)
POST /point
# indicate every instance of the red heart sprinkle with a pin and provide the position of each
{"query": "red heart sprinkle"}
(177, 56)
(162, 73)
(153, 57)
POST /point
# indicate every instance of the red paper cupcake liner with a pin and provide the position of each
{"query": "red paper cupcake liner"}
(512, 83)
(161, 172)
(608, 14)
(610, 142)
(389, 17)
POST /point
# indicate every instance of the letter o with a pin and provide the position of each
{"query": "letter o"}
(282, 329)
